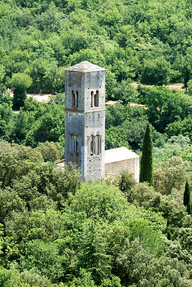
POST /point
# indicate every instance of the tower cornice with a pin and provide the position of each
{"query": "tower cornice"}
(84, 112)
(85, 67)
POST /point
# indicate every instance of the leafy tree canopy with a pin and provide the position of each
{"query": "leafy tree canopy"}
(21, 80)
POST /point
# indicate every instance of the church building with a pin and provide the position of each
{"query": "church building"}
(85, 125)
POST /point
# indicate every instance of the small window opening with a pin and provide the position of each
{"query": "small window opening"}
(77, 148)
(77, 99)
(97, 145)
(100, 144)
(73, 99)
(91, 153)
(92, 98)
(96, 98)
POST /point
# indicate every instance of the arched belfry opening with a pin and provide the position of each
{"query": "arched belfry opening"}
(91, 148)
(94, 99)
(75, 99)
(85, 118)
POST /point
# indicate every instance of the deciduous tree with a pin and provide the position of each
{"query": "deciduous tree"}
(171, 174)
(156, 72)
(20, 82)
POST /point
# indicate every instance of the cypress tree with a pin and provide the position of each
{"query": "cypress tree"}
(146, 168)
(169, 236)
(187, 197)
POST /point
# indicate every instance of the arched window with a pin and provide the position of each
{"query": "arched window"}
(92, 99)
(73, 99)
(96, 99)
(77, 99)
(100, 144)
(91, 147)
(95, 147)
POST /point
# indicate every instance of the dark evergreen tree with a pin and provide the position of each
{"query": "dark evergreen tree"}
(169, 235)
(20, 96)
(187, 197)
(146, 168)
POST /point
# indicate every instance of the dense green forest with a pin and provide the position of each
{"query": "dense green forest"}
(147, 41)
(56, 230)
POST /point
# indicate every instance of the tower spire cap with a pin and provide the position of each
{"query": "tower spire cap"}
(85, 67)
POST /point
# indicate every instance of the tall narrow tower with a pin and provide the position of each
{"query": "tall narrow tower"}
(85, 118)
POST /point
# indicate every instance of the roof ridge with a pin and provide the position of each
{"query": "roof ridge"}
(85, 66)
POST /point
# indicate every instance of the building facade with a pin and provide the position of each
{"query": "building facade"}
(119, 159)
(85, 118)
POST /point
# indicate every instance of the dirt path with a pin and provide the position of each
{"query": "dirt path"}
(171, 87)
(39, 97)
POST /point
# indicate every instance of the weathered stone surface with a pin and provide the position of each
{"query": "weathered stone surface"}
(85, 118)
(119, 159)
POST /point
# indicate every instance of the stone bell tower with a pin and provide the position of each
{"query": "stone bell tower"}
(85, 118)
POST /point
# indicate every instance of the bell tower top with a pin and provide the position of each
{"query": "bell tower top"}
(85, 67)
(85, 87)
